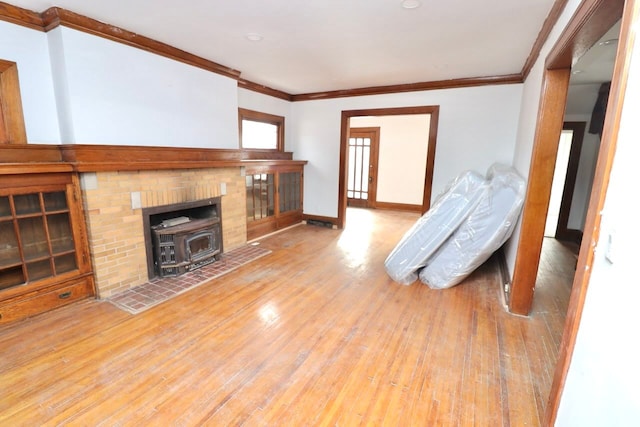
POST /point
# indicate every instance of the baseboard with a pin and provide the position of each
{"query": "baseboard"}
(258, 238)
(399, 207)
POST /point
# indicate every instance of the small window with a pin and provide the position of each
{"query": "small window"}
(260, 131)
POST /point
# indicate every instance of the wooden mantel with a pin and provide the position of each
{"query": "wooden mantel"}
(40, 158)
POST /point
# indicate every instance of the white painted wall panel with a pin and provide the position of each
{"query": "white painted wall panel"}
(477, 126)
(29, 50)
(126, 96)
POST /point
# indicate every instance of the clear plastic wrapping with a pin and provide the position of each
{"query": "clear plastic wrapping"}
(483, 232)
(450, 209)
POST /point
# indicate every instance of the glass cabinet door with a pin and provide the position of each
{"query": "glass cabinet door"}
(289, 191)
(11, 273)
(36, 238)
(260, 196)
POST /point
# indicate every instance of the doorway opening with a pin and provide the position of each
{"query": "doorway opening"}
(344, 176)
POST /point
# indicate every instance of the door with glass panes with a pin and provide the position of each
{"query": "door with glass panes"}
(362, 174)
(274, 199)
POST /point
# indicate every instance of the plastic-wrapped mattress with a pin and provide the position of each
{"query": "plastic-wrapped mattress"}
(482, 233)
(452, 206)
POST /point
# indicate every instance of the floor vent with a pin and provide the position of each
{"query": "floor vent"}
(317, 223)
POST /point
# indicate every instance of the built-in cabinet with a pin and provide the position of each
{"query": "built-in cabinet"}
(44, 257)
(274, 198)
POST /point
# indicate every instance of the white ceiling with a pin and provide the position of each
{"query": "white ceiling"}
(590, 71)
(316, 46)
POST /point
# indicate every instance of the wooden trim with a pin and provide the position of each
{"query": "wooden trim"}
(19, 16)
(92, 158)
(12, 128)
(592, 19)
(55, 16)
(399, 207)
(548, 129)
(249, 85)
(24, 153)
(344, 135)
(570, 178)
(411, 87)
(80, 232)
(17, 184)
(40, 158)
(627, 38)
(343, 168)
(431, 158)
(543, 35)
(31, 168)
(258, 116)
(319, 218)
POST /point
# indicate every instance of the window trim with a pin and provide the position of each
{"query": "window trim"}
(257, 116)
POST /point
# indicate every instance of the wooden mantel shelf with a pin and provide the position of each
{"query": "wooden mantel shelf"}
(37, 158)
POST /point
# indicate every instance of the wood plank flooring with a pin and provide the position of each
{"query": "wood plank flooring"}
(313, 334)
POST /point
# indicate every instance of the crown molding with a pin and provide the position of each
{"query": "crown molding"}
(552, 19)
(412, 87)
(19, 16)
(249, 85)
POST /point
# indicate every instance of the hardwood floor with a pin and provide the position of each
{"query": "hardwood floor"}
(313, 334)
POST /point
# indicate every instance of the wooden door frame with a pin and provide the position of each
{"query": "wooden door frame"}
(590, 21)
(373, 162)
(432, 110)
(562, 230)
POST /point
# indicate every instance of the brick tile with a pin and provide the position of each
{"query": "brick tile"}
(146, 295)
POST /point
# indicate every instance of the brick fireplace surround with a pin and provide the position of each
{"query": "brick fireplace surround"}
(113, 202)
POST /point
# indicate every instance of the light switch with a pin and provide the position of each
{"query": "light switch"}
(223, 188)
(136, 201)
(610, 253)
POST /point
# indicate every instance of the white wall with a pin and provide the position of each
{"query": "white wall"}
(584, 176)
(121, 95)
(28, 49)
(79, 88)
(402, 157)
(268, 104)
(477, 127)
(602, 384)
